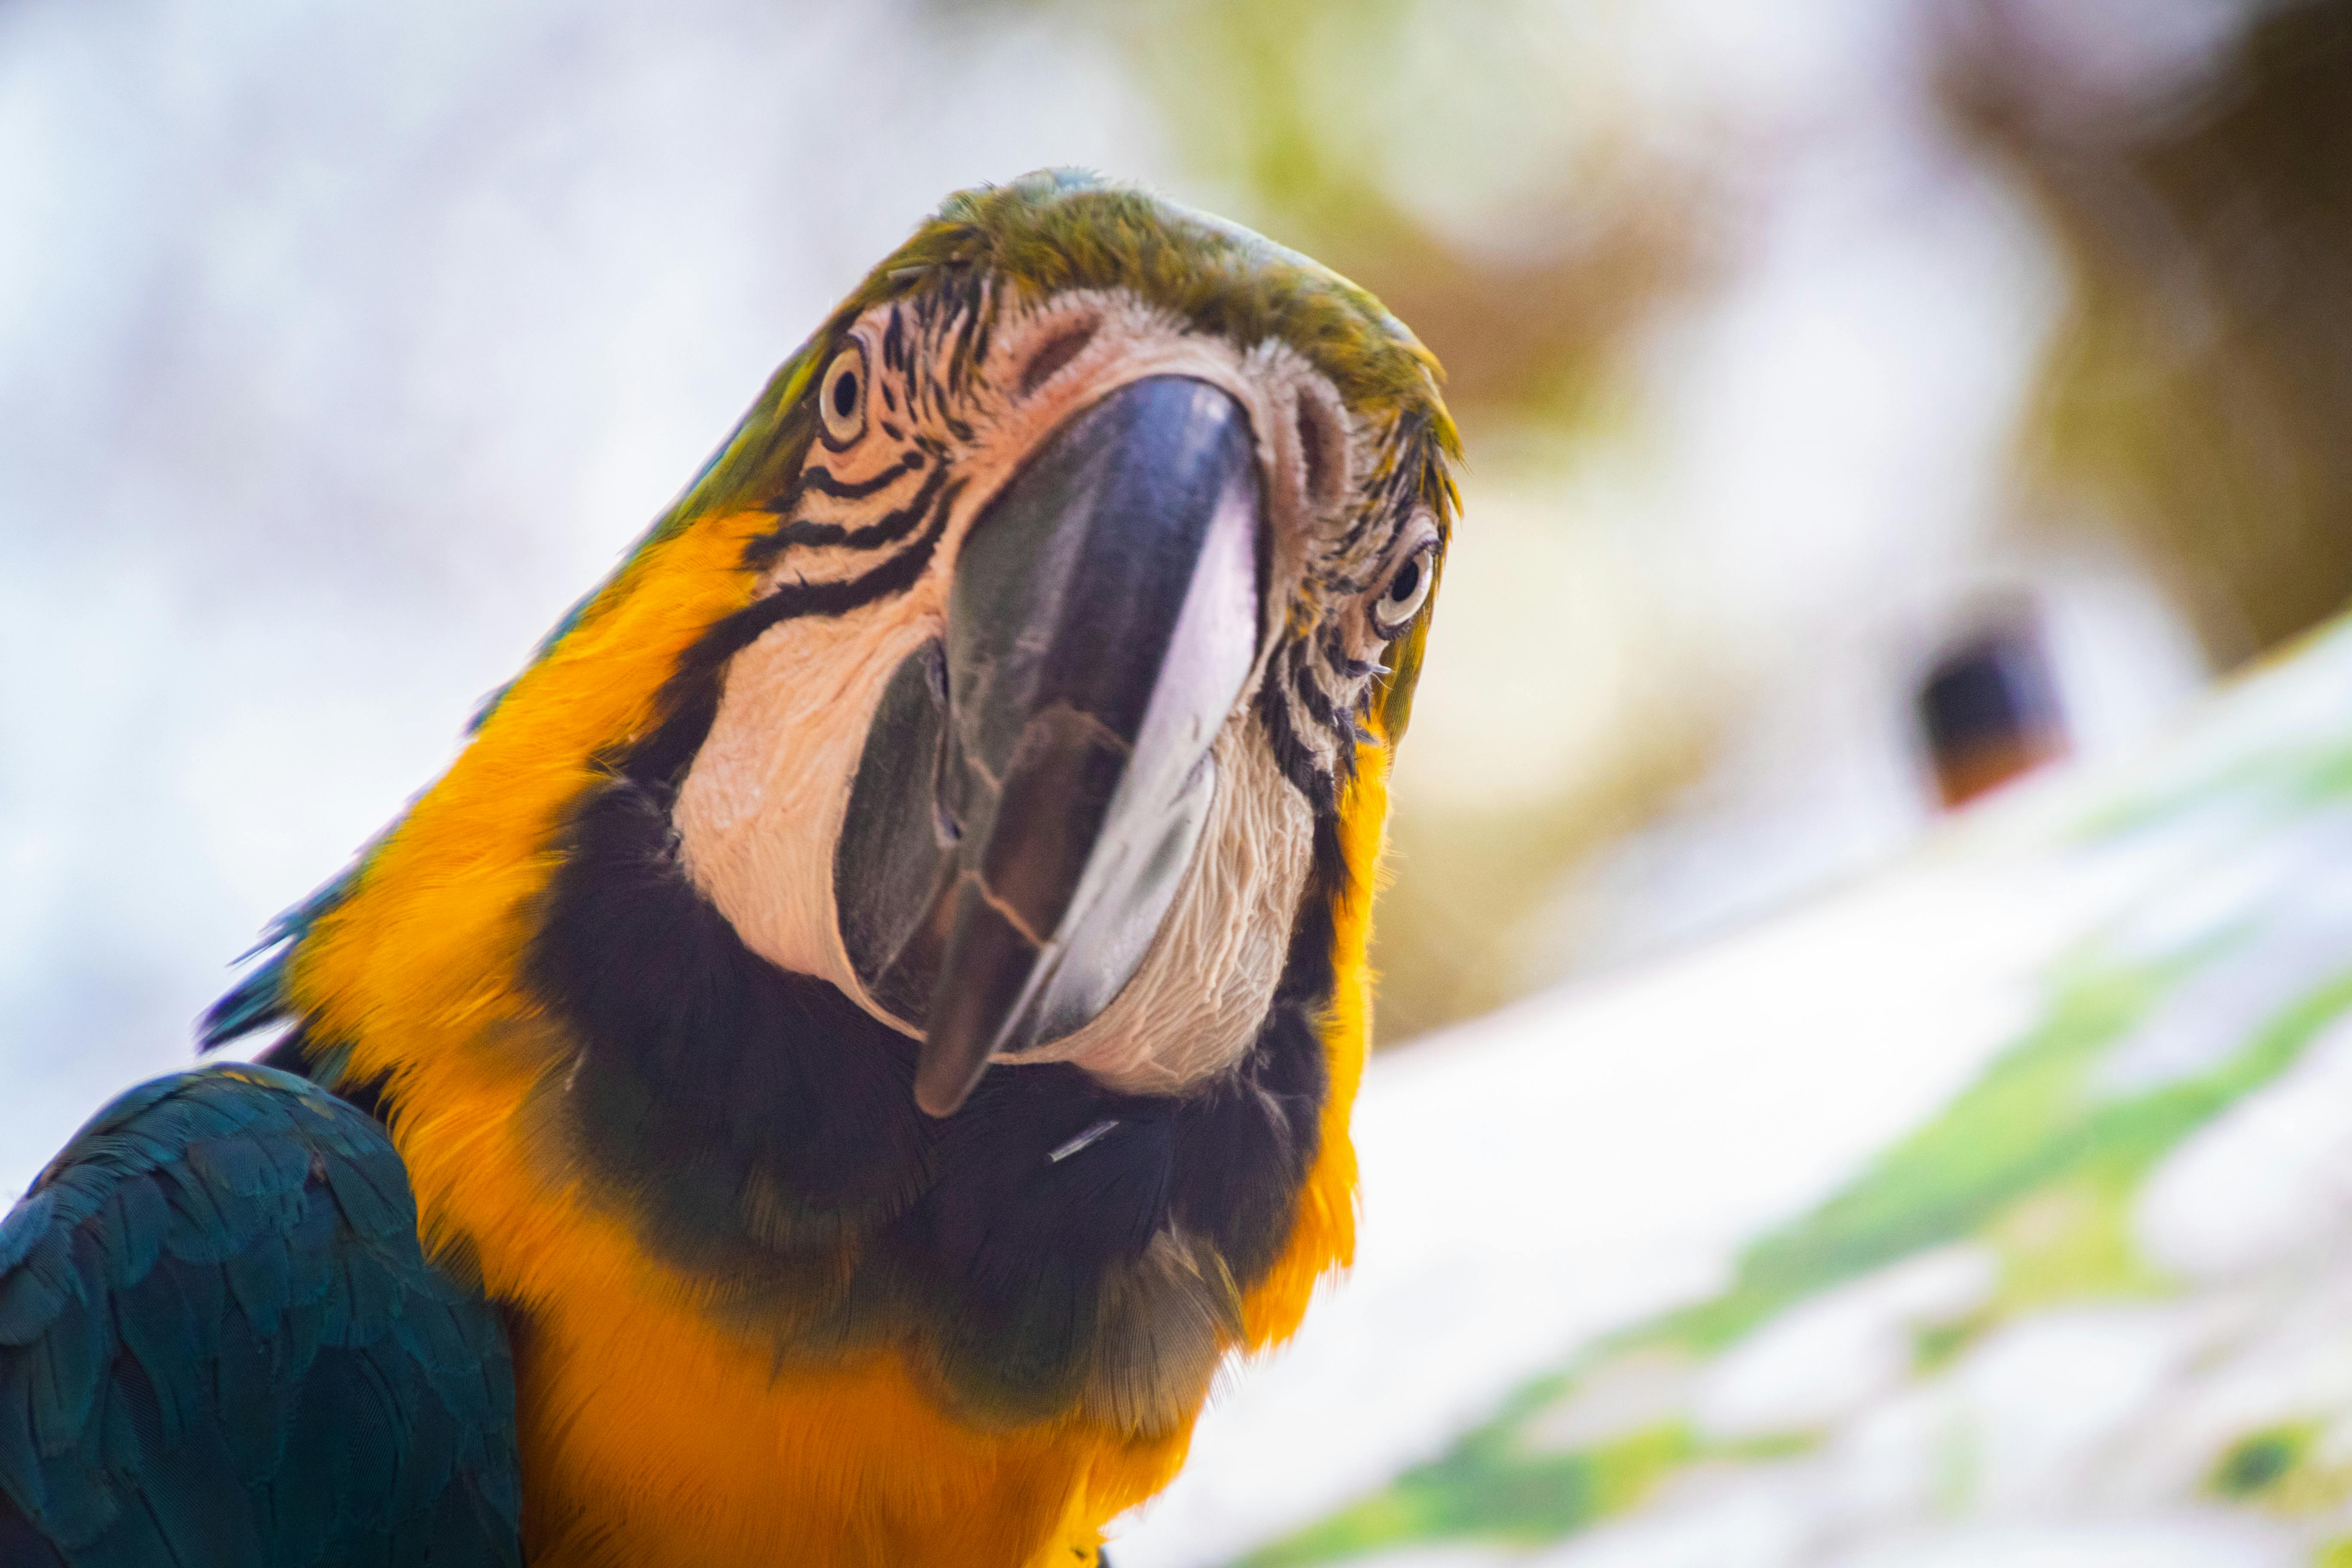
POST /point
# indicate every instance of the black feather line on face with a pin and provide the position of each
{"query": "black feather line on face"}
(1312, 696)
(1290, 755)
(960, 356)
(1333, 640)
(1381, 509)
(1401, 484)
(888, 529)
(820, 482)
(689, 697)
(1325, 714)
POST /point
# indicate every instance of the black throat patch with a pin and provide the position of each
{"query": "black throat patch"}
(1051, 1245)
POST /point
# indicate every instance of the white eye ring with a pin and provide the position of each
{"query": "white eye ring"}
(841, 396)
(1407, 591)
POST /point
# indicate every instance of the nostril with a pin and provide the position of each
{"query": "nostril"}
(1322, 453)
(1059, 350)
(935, 670)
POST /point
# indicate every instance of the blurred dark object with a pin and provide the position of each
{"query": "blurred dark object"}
(1988, 711)
(2195, 163)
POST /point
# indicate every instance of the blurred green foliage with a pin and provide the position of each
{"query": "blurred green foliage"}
(1490, 1486)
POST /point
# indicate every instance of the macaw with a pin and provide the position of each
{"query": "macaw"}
(867, 1024)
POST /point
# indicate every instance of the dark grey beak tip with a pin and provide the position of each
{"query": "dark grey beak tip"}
(940, 1101)
(988, 964)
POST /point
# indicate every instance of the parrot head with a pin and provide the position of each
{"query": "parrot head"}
(920, 895)
(1071, 622)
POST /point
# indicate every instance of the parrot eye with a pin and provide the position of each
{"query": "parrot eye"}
(1408, 590)
(841, 398)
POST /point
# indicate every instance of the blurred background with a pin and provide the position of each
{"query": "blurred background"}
(1863, 401)
(1866, 402)
(1836, 379)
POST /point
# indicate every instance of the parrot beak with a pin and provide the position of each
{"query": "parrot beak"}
(1032, 789)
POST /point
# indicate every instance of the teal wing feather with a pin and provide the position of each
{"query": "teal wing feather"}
(221, 1346)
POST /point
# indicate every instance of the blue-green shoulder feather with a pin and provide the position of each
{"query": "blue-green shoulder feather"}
(221, 1345)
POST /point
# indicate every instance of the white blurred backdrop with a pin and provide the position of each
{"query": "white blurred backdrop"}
(341, 348)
